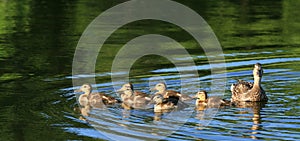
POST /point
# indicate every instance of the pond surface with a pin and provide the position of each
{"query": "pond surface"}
(37, 44)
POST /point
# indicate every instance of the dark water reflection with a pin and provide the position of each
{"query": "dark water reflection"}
(37, 44)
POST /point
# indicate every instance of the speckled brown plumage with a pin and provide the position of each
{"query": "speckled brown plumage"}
(247, 91)
(94, 99)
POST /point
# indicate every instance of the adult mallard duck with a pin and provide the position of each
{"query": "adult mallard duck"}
(247, 91)
(204, 100)
(94, 99)
(161, 88)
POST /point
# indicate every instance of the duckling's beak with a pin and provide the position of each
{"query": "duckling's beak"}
(194, 97)
(77, 91)
(153, 89)
(120, 90)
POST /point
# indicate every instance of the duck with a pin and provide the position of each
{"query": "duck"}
(161, 105)
(129, 86)
(94, 99)
(161, 88)
(203, 100)
(248, 91)
(133, 99)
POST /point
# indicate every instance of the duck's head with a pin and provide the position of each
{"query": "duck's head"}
(257, 71)
(159, 87)
(127, 86)
(201, 95)
(86, 88)
(127, 93)
(158, 99)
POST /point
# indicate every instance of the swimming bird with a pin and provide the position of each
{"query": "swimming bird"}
(204, 100)
(161, 88)
(129, 86)
(131, 98)
(94, 99)
(247, 91)
(161, 105)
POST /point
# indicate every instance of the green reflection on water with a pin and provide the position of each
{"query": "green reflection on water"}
(38, 39)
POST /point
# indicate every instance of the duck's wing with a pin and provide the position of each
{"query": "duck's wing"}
(172, 99)
(95, 100)
(142, 95)
(241, 87)
(83, 100)
(172, 93)
(139, 93)
(225, 102)
(108, 99)
(240, 90)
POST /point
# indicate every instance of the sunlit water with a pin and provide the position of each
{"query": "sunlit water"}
(276, 119)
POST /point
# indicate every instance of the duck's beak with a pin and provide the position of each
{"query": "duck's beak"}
(194, 97)
(179, 95)
(77, 91)
(153, 89)
(120, 90)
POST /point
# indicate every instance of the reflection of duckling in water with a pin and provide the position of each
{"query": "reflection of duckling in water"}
(133, 99)
(161, 88)
(94, 99)
(203, 101)
(247, 91)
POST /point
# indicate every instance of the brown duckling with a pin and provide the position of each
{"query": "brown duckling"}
(161, 105)
(161, 88)
(204, 100)
(129, 86)
(131, 98)
(247, 91)
(93, 98)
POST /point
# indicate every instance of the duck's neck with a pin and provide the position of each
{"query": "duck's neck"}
(162, 91)
(257, 81)
(87, 93)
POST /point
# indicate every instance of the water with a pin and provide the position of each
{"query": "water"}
(37, 44)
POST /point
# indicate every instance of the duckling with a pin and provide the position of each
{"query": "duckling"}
(170, 94)
(161, 105)
(203, 100)
(130, 100)
(129, 86)
(94, 99)
(247, 91)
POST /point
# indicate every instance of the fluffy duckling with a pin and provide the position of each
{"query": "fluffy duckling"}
(94, 99)
(161, 105)
(247, 91)
(204, 100)
(161, 88)
(129, 86)
(134, 99)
